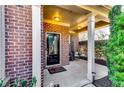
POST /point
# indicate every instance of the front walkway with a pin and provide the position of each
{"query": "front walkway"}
(75, 76)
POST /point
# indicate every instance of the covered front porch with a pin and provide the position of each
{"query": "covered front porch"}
(63, 24)
(66, 22)
(75, 76)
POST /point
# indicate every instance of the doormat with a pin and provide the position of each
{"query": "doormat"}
(103, 82)
(56, 70)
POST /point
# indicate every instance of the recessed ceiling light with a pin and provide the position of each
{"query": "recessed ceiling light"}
(79, 27)
(56, 18)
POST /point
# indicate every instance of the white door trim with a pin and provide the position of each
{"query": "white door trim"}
(36, 43)
(59, 50)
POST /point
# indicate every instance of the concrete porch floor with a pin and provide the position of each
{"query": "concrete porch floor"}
(75, 76)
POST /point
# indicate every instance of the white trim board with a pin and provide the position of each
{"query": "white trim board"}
(2, 42)
(36, 43)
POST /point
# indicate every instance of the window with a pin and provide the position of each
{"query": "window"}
(2, 43)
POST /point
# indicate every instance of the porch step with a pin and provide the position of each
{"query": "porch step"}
(83, 83)
(90, 85)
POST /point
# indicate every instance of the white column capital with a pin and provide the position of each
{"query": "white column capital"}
(91, 18)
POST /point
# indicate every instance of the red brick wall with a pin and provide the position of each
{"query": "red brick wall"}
(64, 31)
(18, 38)
(75, 40)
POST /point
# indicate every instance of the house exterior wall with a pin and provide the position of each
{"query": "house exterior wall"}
(18, 39)
(64, 31)
(18, 43)
(75, 40)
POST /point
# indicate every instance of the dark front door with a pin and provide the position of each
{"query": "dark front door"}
(53, 49)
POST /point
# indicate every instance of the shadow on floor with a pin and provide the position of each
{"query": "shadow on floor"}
(103, 82)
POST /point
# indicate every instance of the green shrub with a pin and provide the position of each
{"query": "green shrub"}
(23, 83)
(16, 83)
(115, 11)
(33, 82)
(1, 83)
(114, 51)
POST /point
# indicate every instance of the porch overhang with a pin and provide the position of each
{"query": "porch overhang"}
(76, 16)
(81, 18)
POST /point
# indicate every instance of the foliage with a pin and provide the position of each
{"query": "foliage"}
(16, 83)
(99, 46)
(1, 83)
(114, 50)
(115, 11)
(33, 82)
(23, 83)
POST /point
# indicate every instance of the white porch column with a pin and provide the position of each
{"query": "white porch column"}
(36, 43)
(91, 64)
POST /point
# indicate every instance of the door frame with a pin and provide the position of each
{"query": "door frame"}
(46, 49)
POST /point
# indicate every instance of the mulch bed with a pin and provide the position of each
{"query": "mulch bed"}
(98, 61)
(101, 62)
(103, 82)
(56, 70)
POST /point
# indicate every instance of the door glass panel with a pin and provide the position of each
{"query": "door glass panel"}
(53, 48)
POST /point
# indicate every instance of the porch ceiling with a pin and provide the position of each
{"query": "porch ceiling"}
(76, 15)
